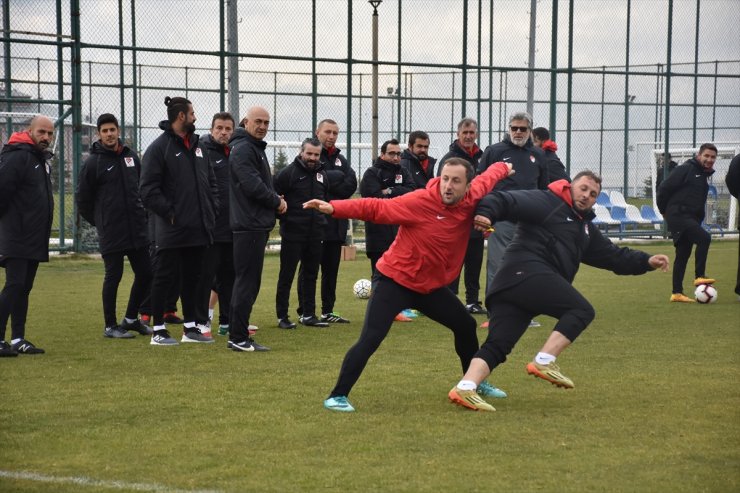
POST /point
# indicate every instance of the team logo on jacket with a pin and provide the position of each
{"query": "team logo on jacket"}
(48, 170)
(198, 152)
(129, 162)
(399, 178)
(531, 158)
(319, 178)
(585, 229)
(337, 162)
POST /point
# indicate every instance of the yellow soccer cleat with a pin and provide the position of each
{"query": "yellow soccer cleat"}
(469, 399)
(551, 373)
(681, 298)
(704, 280)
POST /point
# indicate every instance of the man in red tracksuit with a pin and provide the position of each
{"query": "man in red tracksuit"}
(415, 272)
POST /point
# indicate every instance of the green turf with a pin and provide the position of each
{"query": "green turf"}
(655, 406)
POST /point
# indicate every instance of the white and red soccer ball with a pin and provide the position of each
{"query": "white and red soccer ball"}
(705, 293)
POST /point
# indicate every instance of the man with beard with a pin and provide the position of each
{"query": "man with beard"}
(682, 199)
(554, 234)
(416, 160)
(26, 213)
(555, 168)
(108, 198)
(179, 187)
(301, 231)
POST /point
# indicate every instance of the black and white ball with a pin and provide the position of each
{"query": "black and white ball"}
(362, 289)
(705, 293)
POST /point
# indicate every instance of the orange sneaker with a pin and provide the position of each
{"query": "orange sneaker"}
(469, 399)
(703, 280)
(551, 373)
(402, 318)
(681, 298)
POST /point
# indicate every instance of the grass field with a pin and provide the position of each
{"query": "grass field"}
(655, 408)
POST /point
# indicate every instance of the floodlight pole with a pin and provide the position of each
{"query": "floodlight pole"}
(232, 46)
(374, 150)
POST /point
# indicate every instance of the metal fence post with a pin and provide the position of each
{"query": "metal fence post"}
(553, 73)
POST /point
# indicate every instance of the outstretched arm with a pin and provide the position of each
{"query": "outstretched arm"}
(659, 262)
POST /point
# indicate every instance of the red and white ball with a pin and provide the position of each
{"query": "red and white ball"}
(705, 293)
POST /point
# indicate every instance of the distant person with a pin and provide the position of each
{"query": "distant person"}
(554, 234)
(26, 213)
(253, 204)
(415, 271)
(733, 185)
(555, 167)
(682, 199)
(416, 159)
(108, 198)
(179, 187)
(301, 232)
(465, 147)
(342, 185)
(660, 173)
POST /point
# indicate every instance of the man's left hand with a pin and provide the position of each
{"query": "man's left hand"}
(659, 262)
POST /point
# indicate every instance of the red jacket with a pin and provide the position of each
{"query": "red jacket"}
(430, 246)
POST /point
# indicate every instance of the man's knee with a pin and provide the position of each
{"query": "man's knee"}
(575, 321)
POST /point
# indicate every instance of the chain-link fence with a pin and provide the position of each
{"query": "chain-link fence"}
(607, 78)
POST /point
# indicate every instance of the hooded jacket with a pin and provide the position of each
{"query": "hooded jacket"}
(298, 184)
(107, 197)
(528, 161)
(342, 185)
(413, 261)
(26, 201)
(253, 202)
(411, 163)
(219, 160)
(555, 167)
(178, 185)
(552, 237)
(382, 175)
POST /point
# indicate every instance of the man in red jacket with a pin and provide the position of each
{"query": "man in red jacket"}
(415, 272)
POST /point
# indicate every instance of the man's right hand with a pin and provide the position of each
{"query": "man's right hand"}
(481, 223)
(319, 205)
(283, 206)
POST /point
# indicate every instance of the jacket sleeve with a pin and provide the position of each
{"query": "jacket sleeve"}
(213, 185)
(556, 170)
(497, 206)
(669, 186)
(733, 177)
(246, 177)
(10, 178)
(604, 254)
(400, 210)
(342, 182)
(150, 184)
(544, 179)
(371, 185)
(86, 187)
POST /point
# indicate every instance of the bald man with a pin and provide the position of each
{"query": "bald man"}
(253, 205)
(26, 211)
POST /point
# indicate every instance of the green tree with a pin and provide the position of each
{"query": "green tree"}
(281, 161)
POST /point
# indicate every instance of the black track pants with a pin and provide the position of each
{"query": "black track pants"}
(141, 265)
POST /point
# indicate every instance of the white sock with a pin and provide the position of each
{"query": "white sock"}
(467, 385)
(15, 341)
(159, 327)
(544, 358)
(129, 320)
(189, 325)
(210, 313)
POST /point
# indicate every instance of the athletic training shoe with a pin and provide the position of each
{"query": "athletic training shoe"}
(704, 280)
(534, 323)
(469, 399)
(137, 326)
(681, 298)
(6, 351)
(485, 389)
(205, 328)
(195, 334)
(338, 403)
(116, 332)
(172, 318)
(26, 347)
(408, 312)
(162, 338)
(402, 318)
(551, 373)
(223, 330)
(313, 321)
(285, 323)
(246, 346)
(475, 308)
(333, 318)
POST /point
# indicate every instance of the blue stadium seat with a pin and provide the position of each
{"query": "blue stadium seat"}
(603, 200)
(620, 214)
(648, 213)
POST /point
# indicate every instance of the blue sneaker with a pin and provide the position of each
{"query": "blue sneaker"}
(338, 403)
(485, 389)
(408, 312)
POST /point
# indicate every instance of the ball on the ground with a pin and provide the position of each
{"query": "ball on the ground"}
(362, 289)
(705, 293)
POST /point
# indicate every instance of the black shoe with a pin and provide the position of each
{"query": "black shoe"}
(172, 318)
(334, 318)
(136, 326)
(116, 332)
(6, 350)
(285, 323)
(312, 321)
(475, 309)
(246, 346)
(26, 347)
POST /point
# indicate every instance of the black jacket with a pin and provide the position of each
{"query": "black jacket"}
(528, 163)
(342, 185)
(457, 151)
(253, 202)
(26, 201)
(411, 163)
(107, 197)
(551, 237)
(555, 167)
(732, 180)
(178, 185)
(382, 175)
(682, 196)
(297, 184)
(219, 161)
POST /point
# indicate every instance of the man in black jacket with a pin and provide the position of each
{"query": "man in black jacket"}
(26, 212)
(466, 148)
(732, 180)
(555, 167)
(253, 204)
(554, 235)
(342, 185)
(218, 261)
(179, 187)
(682, 199)
(302, 231)
(416, 160)
(108, 198)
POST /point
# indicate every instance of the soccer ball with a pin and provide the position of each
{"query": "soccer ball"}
(362, 289)
(705, 293)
